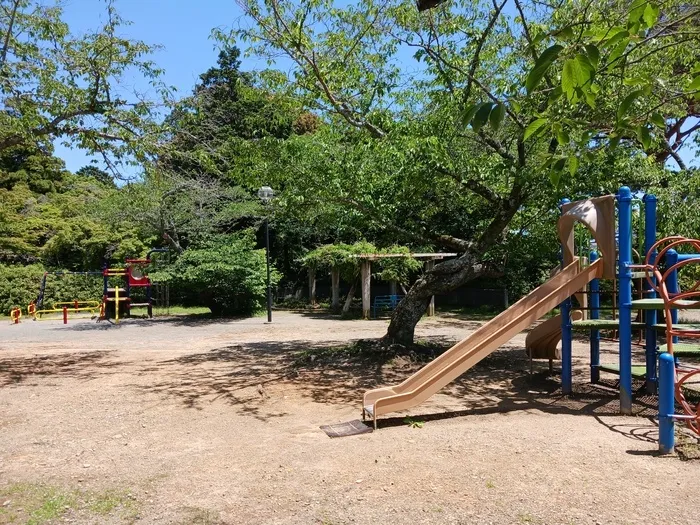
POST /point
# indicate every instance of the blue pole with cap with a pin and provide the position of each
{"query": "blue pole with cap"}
(624, 204)
(595, 334)
(667, 379)
(566, 333)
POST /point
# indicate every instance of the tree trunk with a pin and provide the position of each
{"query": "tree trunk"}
(348, 300)
(443, 278)
(312, 286)
(449, 275)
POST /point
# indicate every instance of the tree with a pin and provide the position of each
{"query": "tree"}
(97, 174)
(495, 103)
(56, 85)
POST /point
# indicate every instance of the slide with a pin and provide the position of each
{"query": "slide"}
(543, 340)
(482, 342)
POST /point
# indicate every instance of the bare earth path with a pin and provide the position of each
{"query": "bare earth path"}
(186, 421)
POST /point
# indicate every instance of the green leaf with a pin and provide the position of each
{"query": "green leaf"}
(658, 120)
(636, 12)
(555, 94)
(573, 165)
(554, 176)
(481, 116)
(468, 114)
(616, 37)
(564, 34)
(590, 97)
(568, 78)
(497, 114)
(627, 103)
(533, 127)
(593, 54)
(545, 60)
(651, 14)
(577, 73)
(563, 137)
(614, 141)
(695, 84)
(644, 136)
(617, 53)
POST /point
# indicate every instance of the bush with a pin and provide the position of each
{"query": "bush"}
(226, 272)
(19, 285)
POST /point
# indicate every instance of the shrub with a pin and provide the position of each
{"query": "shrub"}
(19, 285)
(226, 272)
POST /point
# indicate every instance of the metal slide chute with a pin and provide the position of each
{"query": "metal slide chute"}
(489, 337)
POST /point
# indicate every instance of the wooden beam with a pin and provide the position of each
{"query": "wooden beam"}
(395, 255)
(366, 296)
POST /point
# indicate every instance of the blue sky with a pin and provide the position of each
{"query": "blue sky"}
(182, 28)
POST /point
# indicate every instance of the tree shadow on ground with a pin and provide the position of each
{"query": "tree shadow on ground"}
(81, 365)
(254, 376)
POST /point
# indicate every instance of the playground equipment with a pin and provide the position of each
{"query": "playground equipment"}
(15, 315)
(116, 301)
(673, 376)
(611, 259)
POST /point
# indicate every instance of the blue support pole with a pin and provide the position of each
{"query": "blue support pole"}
(624, 212)
(566, 339)
(595, 334)
(650, 315)
(667, 378)
(672, 283)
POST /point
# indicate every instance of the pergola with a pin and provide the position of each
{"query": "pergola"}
(366, 274)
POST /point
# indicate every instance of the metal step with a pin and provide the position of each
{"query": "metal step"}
(682, 349)
(638, 371)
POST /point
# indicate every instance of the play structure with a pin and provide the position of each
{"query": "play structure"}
(117, 301)
(579, 277)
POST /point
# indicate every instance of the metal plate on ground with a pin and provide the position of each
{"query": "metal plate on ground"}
(350, 428)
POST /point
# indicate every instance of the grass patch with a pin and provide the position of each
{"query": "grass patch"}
(180, 310)
(414, 423)
(37, 504)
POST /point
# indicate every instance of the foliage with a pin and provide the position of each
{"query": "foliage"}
(59, 85)
(225, 272)
(19, 285)
(344, 257)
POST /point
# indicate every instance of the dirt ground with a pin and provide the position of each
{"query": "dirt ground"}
(181, 420)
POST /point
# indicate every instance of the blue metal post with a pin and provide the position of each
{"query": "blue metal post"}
(566, 339)
(667, 378)
(624, 203)
(650, 315)
(595, 334)
(672, 283)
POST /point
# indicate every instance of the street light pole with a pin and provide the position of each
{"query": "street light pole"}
(267, 257)
(265, 194)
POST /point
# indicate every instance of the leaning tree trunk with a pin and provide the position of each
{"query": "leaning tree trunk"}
(443, 278)
(450, 275)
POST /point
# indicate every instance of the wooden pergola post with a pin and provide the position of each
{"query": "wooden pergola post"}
(366, 271)
(312, 286)
(429, 265)
(335, 289)
(392, 287)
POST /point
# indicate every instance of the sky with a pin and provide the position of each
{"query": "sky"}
(183, 29)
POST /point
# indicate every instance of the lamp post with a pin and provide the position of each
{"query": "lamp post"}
(265, 194)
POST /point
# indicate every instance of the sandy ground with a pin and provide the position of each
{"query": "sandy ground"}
(211, 422)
